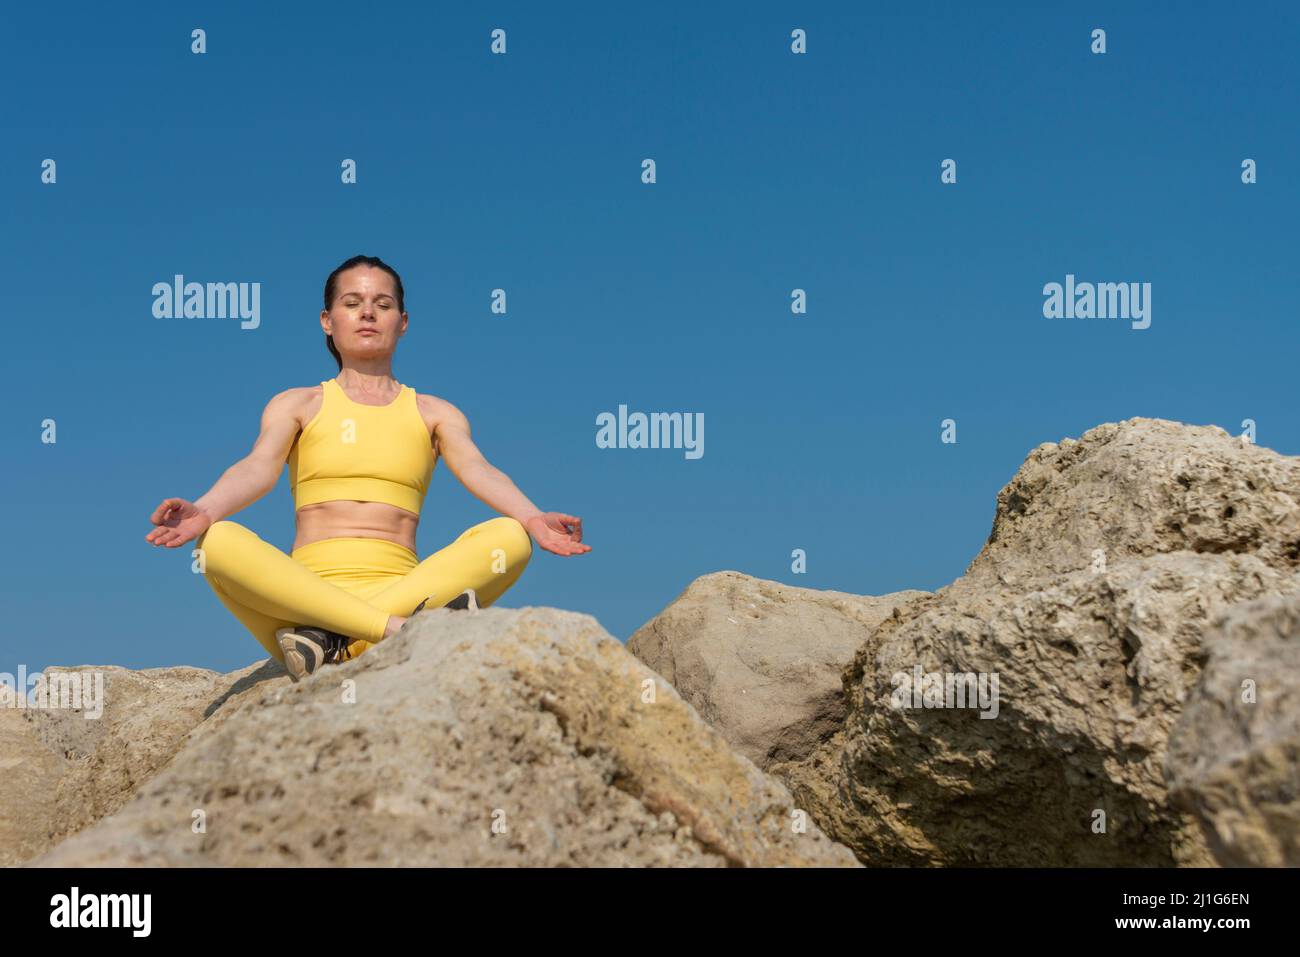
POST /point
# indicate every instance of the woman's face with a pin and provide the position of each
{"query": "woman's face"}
(364, 319)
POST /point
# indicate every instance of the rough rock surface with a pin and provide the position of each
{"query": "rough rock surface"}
(1234, 758)
(64, 771)
(1108, 558)
(1142, 487)
(29, 776)
(500, 737)
(761, 660)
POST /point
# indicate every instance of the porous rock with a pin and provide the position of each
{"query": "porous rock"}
(1095, 602)
(1234, 757)
(761, 660)
(502, 737)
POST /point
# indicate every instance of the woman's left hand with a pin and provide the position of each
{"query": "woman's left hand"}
(558, 533)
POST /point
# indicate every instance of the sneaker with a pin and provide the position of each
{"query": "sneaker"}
(465, 601)
(307, 648)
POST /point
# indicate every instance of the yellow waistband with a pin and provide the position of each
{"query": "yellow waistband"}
(350, 562)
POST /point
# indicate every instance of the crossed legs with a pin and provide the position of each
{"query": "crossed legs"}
(353, 586)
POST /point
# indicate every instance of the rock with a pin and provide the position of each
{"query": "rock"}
(82, 768)
(1234, 757)
(29, 776)
(1108, 558)
(503, 737)
(1141, 487)
(148, 717)
(1092, 674)
(761, 661)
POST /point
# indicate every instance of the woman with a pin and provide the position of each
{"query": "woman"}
(361, 449)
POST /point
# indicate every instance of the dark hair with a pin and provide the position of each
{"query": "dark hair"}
(332, 282)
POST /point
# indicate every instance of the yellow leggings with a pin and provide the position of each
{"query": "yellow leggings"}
(353, 585)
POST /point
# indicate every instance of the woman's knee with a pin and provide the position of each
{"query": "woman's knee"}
(217, 541)
(503, 542)
(517, 542)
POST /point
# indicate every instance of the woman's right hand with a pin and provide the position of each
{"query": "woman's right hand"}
(176, 521)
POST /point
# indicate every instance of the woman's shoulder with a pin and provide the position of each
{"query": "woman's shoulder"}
(434, 404)
(437, 410)
(299, 402)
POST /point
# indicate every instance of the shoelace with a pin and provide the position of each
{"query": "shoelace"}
(339, 648)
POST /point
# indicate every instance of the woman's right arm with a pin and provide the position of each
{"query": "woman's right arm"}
(256, 473)
(177, 521)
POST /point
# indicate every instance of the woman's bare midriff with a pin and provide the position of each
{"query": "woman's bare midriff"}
(349, 519)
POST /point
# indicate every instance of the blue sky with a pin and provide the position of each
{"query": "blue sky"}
(775, 171)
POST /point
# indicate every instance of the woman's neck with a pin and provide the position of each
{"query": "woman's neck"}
(367, 383)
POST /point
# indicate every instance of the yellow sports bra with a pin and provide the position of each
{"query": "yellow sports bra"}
(363, 453)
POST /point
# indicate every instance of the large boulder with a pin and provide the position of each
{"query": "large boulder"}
(29, 775)
(760, 660)
(1136, 488)
(1234, 757)
(67, 767)
(502, 737)
(1108, 559)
